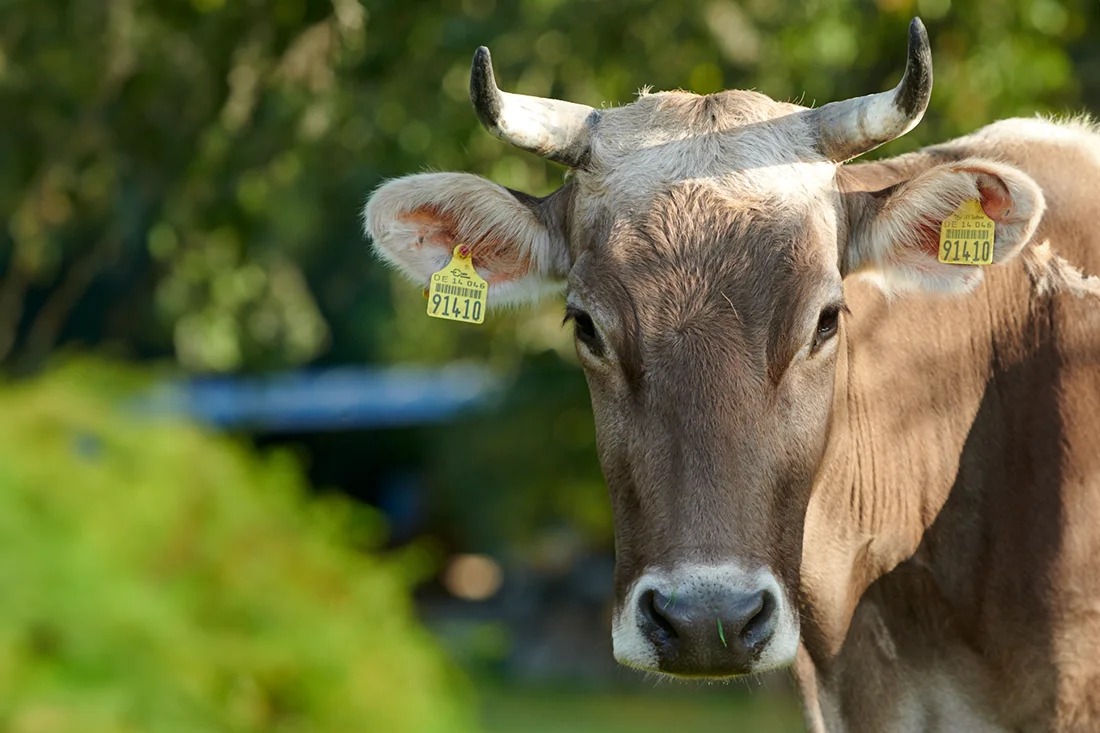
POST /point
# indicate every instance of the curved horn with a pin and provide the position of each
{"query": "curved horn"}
(855, 126)
(548, 127)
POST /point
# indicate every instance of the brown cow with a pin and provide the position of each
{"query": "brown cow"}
(824, 447)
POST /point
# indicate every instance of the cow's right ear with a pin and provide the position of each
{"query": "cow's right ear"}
(895, 232)
(517, 241)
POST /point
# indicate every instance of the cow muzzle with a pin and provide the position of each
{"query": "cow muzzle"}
(706, 621)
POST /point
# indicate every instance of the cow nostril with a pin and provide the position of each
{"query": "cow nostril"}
(760, 625)
(651, 605)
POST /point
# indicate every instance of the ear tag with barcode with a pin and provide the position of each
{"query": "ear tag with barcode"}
(966, 237)
(457, 292)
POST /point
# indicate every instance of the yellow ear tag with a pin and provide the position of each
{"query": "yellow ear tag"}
(966, 237)
(457, 292)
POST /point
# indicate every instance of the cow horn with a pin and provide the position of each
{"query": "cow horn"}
(551, 128)
(854, 126)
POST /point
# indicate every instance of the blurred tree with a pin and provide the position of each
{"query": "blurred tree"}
(156, 578)
(185, 177)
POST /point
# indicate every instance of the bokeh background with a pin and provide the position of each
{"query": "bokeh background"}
(245, 483)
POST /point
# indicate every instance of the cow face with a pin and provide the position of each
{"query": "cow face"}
(704, 241)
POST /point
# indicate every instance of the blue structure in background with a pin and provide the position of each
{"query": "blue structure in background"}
(344, 398)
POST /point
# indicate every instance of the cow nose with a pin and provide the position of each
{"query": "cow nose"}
(710, 633)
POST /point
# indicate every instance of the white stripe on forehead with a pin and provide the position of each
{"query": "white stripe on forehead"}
(745, 145)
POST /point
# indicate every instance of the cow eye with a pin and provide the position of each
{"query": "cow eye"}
(584, 329)
(826, 325)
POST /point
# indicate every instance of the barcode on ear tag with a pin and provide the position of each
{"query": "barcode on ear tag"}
(457, 292)
(966, 237)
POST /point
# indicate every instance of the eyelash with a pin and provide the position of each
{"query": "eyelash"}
(828, 325)
(584, 329)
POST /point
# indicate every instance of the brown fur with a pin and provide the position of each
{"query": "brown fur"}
(968, 550)
(695, 321)
(928, 481)
(950, 562)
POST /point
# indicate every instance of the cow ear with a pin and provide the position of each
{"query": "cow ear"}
(516, 241)
(896, 232)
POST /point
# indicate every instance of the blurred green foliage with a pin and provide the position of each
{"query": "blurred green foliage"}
(155, 578)
(185, 177)
(530, 464)
(716, 708)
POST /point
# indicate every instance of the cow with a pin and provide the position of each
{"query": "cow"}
(825, 448)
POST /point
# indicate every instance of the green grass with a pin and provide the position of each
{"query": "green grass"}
(717, 708)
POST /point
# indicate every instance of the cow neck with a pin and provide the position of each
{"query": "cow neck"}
(915, 382)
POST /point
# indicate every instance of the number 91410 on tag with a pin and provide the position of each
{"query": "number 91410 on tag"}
(457, 292)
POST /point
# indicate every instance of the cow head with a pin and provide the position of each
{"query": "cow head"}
(704, 241)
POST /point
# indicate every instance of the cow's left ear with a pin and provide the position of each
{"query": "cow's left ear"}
(517, 242)
(895, 233)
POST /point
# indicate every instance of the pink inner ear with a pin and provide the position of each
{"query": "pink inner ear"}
(432, 228)
(496, 259)
(996, 202)
(995, 199)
